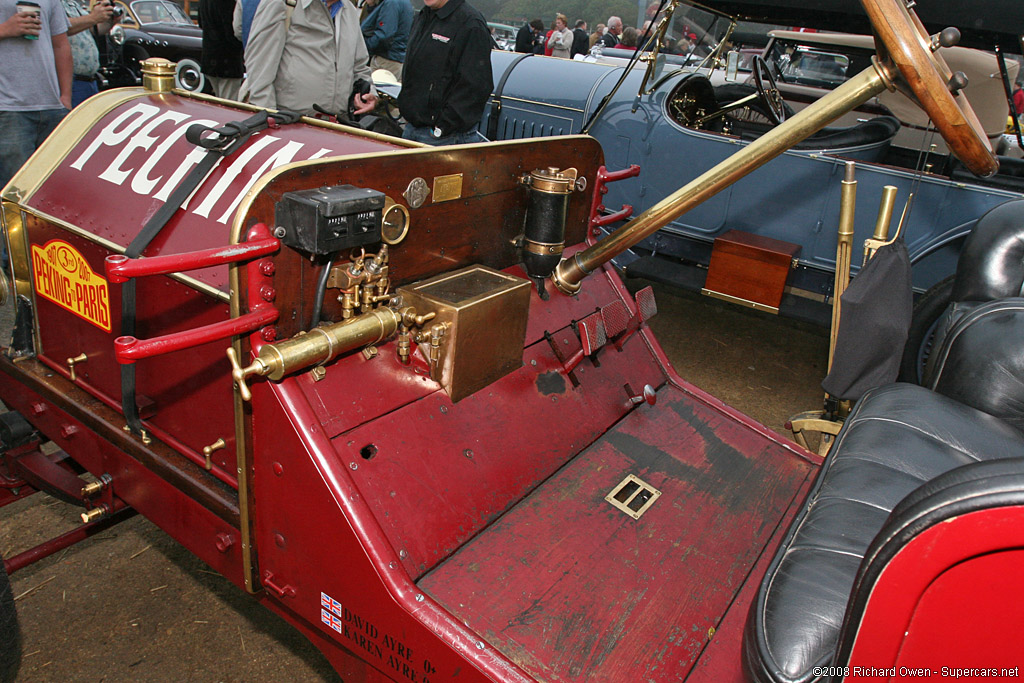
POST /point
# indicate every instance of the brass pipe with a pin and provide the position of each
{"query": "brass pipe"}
(844, 252)
(885, 209)
(319, 345)
(324, 344)
(859, 89)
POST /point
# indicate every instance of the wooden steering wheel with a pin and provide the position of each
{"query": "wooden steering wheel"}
(900, 38)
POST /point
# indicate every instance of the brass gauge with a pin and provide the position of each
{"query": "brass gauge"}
(396, 222)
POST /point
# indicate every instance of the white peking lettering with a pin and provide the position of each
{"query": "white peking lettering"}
(145, 137)
(112, 135)
(238, 164)
(142, 140)
(142, 183)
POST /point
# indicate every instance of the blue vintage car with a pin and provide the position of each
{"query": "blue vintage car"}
(659, 112)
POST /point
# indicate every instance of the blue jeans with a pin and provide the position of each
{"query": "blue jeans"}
(82, 90)
(423, 134)
(23, 132)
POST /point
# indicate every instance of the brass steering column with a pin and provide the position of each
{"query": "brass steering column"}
(859, 89)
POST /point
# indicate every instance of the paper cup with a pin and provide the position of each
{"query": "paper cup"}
(28, 7)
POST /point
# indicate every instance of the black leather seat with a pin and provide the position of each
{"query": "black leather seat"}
(898, 438)
(905, 451)
(878, 131)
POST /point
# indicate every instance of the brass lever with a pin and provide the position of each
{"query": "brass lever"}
(80, 358)
(208, 450)
(238, 373)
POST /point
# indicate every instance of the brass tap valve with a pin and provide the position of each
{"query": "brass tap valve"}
(436, 334)
(410, 320)
(72, 362)
(404, 345)
(363, 282)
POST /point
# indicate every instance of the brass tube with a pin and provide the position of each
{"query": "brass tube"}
(859, 89)
(844, 252)
(885, 209)
(325, 343)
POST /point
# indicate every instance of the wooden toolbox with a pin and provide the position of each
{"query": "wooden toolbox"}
(750, 269)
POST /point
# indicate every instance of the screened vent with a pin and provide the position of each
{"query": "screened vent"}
(633, 496)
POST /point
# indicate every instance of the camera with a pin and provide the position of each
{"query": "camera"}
(118, 11)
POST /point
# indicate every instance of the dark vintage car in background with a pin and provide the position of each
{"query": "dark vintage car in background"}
(660, 114)
(153, 28)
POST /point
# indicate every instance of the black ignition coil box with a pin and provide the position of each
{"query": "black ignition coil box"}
(330, 219)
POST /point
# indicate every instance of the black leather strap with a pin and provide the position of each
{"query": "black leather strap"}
(219, 142)
(492, 118)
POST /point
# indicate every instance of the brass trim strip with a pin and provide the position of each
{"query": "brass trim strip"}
(113, 247)
(547, 105)
(737, 300)
(63, 140)
(543, 249)
(17, 243)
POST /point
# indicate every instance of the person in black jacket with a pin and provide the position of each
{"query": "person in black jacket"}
(446, 79)
(531, 37)
(580, 40)
(221, 59)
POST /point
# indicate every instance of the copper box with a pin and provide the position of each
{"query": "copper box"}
(486, 313)
(750, 269)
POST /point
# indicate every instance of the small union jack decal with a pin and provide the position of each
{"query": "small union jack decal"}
(327, 602)
(331, 620)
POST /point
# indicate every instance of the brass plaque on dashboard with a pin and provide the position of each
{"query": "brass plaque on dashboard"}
(447, 187)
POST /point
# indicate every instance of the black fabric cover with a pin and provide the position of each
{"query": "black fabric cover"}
(876, 311)
(898, 438)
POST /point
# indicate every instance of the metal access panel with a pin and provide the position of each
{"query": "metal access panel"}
(484, 313)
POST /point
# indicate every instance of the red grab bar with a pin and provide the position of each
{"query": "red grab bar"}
(120, 269)
(604, 176)
(129, 349)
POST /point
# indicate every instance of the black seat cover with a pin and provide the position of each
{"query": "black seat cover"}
(899, 437)
(876, 130)
(990, 267)
(979, 361)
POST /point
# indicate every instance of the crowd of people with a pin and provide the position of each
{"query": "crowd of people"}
(561, 41)
(308, 56)
(315, 57)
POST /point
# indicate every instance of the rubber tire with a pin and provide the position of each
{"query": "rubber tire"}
(928, 308)
(10, 632)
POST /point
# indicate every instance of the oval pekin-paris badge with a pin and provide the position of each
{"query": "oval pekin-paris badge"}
(62, 275)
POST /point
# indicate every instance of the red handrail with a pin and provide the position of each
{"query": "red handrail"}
(604, 176)
(120, 268)
(130, 349)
